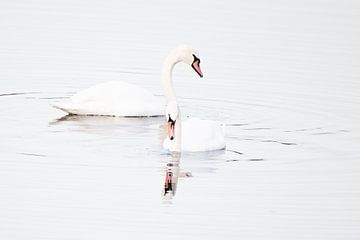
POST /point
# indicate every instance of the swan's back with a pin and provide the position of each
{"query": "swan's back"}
(114, 99)
(202, 135)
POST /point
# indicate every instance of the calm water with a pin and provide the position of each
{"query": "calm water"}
(283, 76)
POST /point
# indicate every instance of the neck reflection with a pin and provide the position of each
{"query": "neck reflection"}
(172, 175)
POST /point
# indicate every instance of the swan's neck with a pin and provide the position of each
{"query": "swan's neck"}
(176, 147)
(166, 77)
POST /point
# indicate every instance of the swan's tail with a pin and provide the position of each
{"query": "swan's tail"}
(66, 107)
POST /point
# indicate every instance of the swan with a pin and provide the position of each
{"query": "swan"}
(193, 134)
(125, 99)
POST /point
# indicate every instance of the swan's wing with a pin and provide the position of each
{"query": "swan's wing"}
(113, 98)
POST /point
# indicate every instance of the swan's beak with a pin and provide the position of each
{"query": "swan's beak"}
(196, 66)
(171, 129)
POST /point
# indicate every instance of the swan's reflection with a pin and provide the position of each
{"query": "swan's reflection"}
(106, 124)
(172, 175)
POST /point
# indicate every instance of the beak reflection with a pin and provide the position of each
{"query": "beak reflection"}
(172, 175)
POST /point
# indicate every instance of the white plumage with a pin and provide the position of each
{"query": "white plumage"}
(198, 135)
(114, 99)
(202, 135)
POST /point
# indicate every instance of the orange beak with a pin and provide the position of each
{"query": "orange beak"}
(171, 130)
(196, 66)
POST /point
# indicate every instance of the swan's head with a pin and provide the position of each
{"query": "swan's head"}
(189, 56)
(172, 114)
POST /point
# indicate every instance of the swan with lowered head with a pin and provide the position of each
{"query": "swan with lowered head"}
(125, 99)
(193, 134)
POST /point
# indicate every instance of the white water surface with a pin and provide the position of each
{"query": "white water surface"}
(284, 76)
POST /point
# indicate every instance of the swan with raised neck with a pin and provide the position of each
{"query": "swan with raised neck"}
(117, 98)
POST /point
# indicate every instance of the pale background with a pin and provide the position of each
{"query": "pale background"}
(283, 75)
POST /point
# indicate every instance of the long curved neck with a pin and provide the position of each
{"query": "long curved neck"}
(166, 76)
(177, 140)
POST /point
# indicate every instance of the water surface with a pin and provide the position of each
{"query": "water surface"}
(283, 77)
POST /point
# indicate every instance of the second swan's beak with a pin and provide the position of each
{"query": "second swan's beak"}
(196, 66)
(171, 129)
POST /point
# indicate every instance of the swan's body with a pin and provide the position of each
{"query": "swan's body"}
(202, 135)
(124, 99)
(114, 99)
(197, 135)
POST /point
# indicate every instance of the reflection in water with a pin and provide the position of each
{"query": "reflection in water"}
(172, 175)
(112, 119)
(107, 125)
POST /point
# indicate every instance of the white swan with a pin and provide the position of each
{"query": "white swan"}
(193, 135)
(125, 99)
